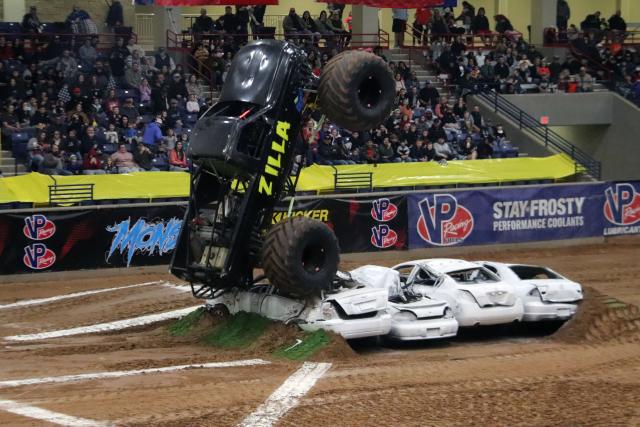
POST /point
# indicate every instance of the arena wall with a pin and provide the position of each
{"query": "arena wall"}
(614, 144)
(63, 239)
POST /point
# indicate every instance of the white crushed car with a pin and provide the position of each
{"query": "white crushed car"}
(352, 313)
(546, 294)
(476, 295)
(413, 316)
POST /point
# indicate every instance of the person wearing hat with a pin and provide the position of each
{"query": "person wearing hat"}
(153, 133)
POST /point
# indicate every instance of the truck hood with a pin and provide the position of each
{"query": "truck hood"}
(557, 290)
(423, 308)
(361, 301)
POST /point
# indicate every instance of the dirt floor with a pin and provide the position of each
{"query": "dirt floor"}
(587, 373)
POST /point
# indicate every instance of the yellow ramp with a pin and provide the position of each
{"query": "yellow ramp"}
(34, 187)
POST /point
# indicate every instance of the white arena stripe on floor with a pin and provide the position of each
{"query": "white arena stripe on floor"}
(46, 415)
(287, 396)
(39, 301)
(106, 327)
(118, 374)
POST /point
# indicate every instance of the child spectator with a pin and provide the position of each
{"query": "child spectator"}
(193, 107)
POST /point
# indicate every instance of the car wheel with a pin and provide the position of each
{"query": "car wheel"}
(301, 256)
(356, 90)
(219, 310)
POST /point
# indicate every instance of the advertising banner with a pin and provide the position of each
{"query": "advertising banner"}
(123, 237)
(73, 240)
(621, 208)
(361, 225)
(510, 215)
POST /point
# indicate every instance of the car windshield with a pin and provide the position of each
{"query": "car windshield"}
(528, 272)
(472, 276)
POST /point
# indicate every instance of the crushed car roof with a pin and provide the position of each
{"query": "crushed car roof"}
(447, 265)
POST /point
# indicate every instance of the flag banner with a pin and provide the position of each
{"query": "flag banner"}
(213, 2)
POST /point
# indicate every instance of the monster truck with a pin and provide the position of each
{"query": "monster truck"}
(244, 154)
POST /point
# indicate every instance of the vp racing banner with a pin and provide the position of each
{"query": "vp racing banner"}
(514, 215)
(88, 239)
(361, 225)
(55, 240)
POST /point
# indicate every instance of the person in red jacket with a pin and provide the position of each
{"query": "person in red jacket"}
(422, 17)
(92, 164)
(178, 158)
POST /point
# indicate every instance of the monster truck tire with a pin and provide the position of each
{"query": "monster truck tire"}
(301, 256)
(356, 90)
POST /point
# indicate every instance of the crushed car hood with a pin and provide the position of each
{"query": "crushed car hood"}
(360, 301)
(557, 290)
(374, 276)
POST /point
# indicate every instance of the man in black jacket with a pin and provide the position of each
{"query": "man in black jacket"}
(617, 23)
(203, 23)
(429, 94)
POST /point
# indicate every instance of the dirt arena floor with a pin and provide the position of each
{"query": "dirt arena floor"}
(585, 374)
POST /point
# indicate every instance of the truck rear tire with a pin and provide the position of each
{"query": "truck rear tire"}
(300, 255)
(356, 90)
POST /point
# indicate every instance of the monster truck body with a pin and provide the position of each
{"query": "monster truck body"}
(243, 151)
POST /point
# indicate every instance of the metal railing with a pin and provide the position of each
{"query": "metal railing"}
(143, 27)
(554, 38)
(584, 162)
(69, 194)
(32, 41)
(352, 181)
(274, 21)
(484, 41)
(358, 41)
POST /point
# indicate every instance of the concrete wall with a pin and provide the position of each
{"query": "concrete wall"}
(602, 124)
(620, 150)
(567, 109)
(521, 139)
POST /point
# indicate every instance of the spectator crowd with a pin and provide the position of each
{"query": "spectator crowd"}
(71, 108)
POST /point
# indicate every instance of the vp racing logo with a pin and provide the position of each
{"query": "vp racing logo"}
(144, 238)
(383, 210)
(38, 257)
(382, 236)
(622, 204)
(443, 221)
(38, 227)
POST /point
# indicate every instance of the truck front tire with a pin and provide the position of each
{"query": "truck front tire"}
(356, 90)
(300, 255)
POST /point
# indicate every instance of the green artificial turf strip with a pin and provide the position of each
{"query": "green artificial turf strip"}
(182, 326)
(239, 330)
(310, 345)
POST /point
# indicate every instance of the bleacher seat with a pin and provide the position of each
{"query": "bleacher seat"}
(10, 27)
(190, 119)
(161, 162)
(109, 148)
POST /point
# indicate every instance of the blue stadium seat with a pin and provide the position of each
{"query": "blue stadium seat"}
(161, 162)
(20, 137)
(190, 119)
(109, 148)
(10, 27)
